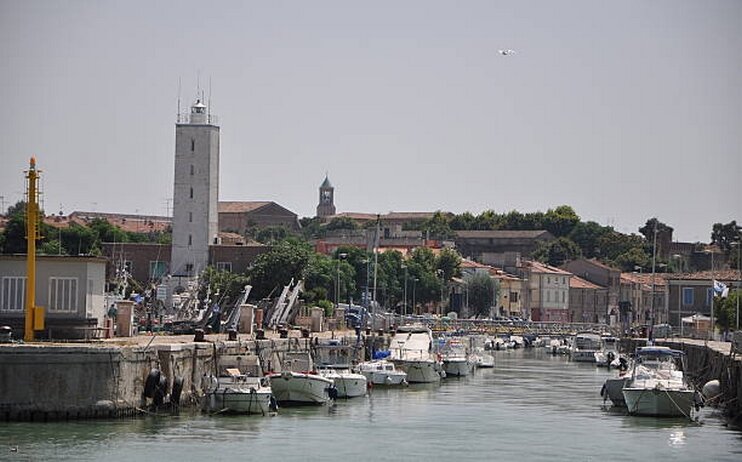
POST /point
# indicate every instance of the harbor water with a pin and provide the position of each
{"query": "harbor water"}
(531, 406)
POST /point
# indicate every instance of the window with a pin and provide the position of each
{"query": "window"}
(13, 294)
(709, 296)
(157, 269)
(191, 193)
(514, 297)
(193, 145)
(190, 217)
(548, 295)
(563, 296)
(687, 296)
(190, 240)
(189, 268)
(62, 295)
(548, 279)
(224, 266)
(192, 170)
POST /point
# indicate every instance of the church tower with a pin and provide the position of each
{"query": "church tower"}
(326, 205)
(196, 190)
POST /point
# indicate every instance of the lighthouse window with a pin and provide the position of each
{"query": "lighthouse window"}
(190, 217)
(192, 170)
(190, 240)
(191, 193)
(193, 145)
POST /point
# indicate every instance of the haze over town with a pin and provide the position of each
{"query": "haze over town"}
(624, 111)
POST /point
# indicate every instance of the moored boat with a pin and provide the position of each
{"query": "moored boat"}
(299, 383)
(657, 386)
(411, 349)
(347, 384)
(382, 372)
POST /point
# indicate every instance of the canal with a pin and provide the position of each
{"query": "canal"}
(532, 406)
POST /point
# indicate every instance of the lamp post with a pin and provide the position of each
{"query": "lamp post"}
(414, 288)
(739, 276)
(678, 269)
(337, 280)
(404, 304)
(439, 272)
(711, 330)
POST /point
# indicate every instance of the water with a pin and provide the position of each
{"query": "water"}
(532, 406)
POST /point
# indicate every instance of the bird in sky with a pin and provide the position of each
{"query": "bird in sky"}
(506, 52)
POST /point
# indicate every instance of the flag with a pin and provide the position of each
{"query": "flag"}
(720, 289)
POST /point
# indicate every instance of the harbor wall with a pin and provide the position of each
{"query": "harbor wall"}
(40, 382)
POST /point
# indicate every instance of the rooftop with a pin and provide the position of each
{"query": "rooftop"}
(503, 234)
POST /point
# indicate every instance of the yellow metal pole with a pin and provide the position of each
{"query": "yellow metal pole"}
(32, 213)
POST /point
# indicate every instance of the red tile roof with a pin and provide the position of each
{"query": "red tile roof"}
(503, 234)
(241, 206)
(576, 282)
(719, 275)
(538, 267)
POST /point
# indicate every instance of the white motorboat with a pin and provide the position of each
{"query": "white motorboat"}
(348, 384)
(657, 386)
(237, 393)
(455, 360)
(584, 347)
(411, 349)
(382, 372)
(482, 359)
(608, 355)
(299, 383)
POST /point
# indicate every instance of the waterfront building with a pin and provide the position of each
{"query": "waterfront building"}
(690, 294)
(603, 275)
(195, 190)
(502, 248)
(635, 299)
(242, 216)
(548, 292)
(587, 301)
(69, 288)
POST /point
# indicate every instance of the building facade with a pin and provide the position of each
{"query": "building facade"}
(587, 301)
(69, 289)
(548, 292)
(602, 275)
(195, 192)
(240, 216)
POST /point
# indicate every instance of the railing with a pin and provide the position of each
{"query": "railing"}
(185, 118)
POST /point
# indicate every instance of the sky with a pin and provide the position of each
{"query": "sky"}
(624, 110)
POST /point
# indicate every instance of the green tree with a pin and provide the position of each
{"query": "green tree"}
(557, 252)
(437, 227)
(725, 310)
(448, 261)
(464, 221)
(560, 221)
(269, 234)
(723, 235)
(275, 269)
(341, 223)
(632, 258)
(482, 293)
(226, 286)
(587, 236)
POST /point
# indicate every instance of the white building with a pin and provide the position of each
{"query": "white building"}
(196, 191)
(70, 289)
(548, 290)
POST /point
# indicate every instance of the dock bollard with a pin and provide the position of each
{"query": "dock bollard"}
(283, 333)
(260, 334)
(199, 337)
(231, 335)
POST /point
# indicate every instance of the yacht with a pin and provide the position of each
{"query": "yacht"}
(411, 349)
(299, 383)
(347, 384)
(657, 386)
(382, 372)
(584, 347)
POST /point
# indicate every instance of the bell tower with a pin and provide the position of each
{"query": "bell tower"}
(326, 206)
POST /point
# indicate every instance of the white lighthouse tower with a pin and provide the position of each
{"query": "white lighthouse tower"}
(196, 190)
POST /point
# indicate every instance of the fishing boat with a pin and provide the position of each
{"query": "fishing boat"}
(657, 386)
(347, 384)
(233, 391)
(382, 372)
(411, 350)
(482, 359)
(298, 382)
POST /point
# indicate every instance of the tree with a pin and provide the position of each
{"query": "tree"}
(226, 286)
(268, 234)
(560, 221)
(341, 223)
(481, 293)
(437, 227)
(723, 235)
(557, 252)
(448, 261)
(587, 236)
(275, 269)
(725, 310)
(633, 258)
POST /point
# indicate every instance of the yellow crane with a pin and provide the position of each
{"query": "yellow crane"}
(34, 314)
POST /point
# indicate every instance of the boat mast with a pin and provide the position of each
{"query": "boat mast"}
(651, 302)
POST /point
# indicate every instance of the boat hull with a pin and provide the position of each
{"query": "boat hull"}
(298, 388)
(659, 402)
(351, 386)
(238, 401)
(613, 390)
(420, 371)
(456, 367)
(585, 356)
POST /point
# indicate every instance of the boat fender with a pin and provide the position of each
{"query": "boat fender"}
(602, 390)
(332, 392)
(158, 397)
(153, 379)
(177, 390)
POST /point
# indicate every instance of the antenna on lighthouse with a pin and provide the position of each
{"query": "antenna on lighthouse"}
(208, 105)
(179, 88)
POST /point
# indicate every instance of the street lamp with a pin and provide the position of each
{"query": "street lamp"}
(341, 256)
(679, 258)
(440, 273)
(404, 304)
(414, 288)
(739, 276)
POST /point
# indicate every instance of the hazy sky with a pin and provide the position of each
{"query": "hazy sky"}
(624, 110)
